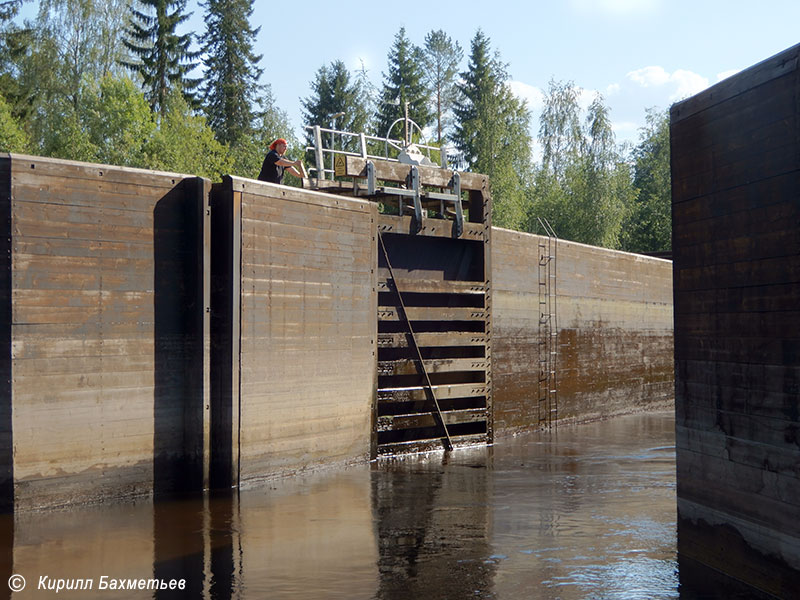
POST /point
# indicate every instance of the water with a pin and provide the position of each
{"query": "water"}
(584, 512)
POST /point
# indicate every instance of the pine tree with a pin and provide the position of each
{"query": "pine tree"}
(164, 56)
(231, 84)
(337, 101)
(403, 83)
(492, 131)
(9, 9)
(334, 91)
(442, 57)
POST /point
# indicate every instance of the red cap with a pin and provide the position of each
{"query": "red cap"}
(276, 142)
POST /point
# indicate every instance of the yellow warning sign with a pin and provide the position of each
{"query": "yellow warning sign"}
(339, 166)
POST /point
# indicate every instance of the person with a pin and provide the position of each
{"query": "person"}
(275, 163)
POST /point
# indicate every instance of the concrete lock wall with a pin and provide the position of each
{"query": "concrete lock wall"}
(736, 248)
(164, 334)
(614, 344)
(302, 298)
(103, 347)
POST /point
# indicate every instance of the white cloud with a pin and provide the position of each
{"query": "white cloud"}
(649, 76)
(531, 94)
(613, 89)
(686, 83)
(615, 8)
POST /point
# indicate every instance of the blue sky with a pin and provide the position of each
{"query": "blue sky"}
(637, 53)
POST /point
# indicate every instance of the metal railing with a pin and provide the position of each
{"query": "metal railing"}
(366, 145)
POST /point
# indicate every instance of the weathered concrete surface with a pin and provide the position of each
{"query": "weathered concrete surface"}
(104, 346)
(163, 335)
(614, 313)
(736, 248)
(307, 309)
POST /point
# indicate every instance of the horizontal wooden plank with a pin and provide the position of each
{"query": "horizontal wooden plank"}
(430, 176)
(431, 228)
(418, 394)
(68, 169)
(432, 286)
(396, 422)
(436, 313)
(400, 340)
(442, 365)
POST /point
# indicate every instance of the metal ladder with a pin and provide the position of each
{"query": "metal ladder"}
(547, 404)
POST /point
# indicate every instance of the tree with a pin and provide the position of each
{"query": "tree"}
(492, 132)
(272, 123)
(9, 9)
(649, 226)
(442, 57)
(118, 121)
(12, 136)
(84, 35)
(583, 186)
(184, 143)
(560, 131)
(164, 56)
(403, 83)
(112, 124)
(335, 92)
(231, 78)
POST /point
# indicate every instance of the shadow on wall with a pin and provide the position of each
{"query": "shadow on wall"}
(179, 411)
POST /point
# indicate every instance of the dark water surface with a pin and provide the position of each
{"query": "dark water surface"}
(584, 512)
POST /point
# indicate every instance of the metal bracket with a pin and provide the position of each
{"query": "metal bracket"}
(412, 182)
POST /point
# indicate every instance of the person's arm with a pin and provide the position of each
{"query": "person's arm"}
(295, 167)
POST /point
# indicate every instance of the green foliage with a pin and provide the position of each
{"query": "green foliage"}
(12, 136)
(334, 92)
(164, 56)
(230, 84)
(86, 36)
(248, 154)
(649, 226)
(583, 185)
(403, 83)
(9, 9)
(441, 58)
(184, 143)
(118, 122)
(492, 132)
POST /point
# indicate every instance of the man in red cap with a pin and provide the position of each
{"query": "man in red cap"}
(275, 164)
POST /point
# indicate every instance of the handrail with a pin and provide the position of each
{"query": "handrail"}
(321, 152)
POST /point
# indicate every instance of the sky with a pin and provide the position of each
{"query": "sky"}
(637, 53)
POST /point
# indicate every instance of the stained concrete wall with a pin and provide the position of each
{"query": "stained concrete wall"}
(736, 248)
(104, 293)
(306, 304)
(614, 345)
(163, 334)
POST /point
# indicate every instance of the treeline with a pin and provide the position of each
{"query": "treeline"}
(112, 81)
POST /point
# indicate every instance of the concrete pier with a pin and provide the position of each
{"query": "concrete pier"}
(736, 251)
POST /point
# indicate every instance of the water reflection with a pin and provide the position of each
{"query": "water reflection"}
(587, 512)
(433, 526)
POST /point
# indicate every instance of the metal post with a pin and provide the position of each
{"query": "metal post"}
(318, 156)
